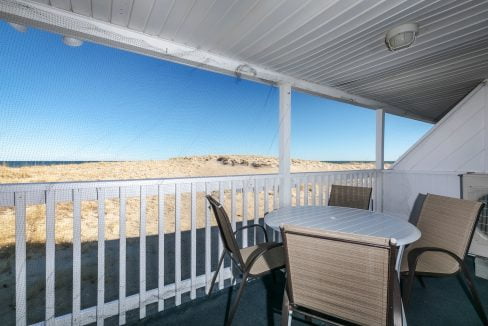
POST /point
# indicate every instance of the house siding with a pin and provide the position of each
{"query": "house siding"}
(457, 144)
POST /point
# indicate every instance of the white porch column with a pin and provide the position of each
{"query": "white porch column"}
(380, 158)
(285, 135)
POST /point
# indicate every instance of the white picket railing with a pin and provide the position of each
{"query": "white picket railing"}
(318, 185)
(307, 189)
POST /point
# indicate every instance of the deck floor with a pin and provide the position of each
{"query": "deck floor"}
(442, 302)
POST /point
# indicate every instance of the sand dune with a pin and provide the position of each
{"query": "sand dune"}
(211, 165)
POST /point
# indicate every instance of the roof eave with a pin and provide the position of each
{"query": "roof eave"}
(68, 23)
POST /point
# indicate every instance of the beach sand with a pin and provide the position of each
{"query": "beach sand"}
(211, 165)
(193, 166)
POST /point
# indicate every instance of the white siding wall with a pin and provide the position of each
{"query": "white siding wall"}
(400, 188)
(459, 142)
(456, 144)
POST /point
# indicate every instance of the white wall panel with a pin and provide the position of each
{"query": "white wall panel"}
(101, 9)
(178, 16)
(121, 11)
(81, 7)
(456, 143)
(61, 4)
(141, 9)
(400, 189)
(157, 18)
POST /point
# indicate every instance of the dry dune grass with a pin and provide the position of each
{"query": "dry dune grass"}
(212, 165)
(36, 219)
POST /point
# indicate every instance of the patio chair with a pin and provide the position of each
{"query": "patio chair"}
(416, 209)
(447, 226)
(340, 278)
(349, 196)
(252, 262)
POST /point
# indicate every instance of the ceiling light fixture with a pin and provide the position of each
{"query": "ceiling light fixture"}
(401, 37)
(18, 27)
(71, 41)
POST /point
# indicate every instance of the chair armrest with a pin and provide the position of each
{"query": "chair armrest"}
(254, 226)
(412, 259)
(259, 252)
(415, 254)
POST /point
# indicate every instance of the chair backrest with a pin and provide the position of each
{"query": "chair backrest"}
(416, 209)
(225, 228)
(343, 276)
(348, 196)
(446, 223)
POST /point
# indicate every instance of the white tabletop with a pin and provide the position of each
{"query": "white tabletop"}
(343, 219)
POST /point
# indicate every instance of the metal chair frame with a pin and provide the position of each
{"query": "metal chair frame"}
(338, 192)
(413, 258)
(230, 249)
(394, 311)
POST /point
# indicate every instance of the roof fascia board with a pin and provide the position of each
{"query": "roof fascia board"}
(67, 23)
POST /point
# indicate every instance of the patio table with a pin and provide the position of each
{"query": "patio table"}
(349, 220)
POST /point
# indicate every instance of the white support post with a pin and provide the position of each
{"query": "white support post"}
(485, 122)
(285, 135)
(380, 158)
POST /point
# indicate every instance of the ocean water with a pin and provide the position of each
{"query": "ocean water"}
(18, 164)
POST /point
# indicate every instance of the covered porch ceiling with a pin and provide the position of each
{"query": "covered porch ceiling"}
(330, 48)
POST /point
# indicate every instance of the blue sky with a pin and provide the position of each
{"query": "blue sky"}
(99, 103)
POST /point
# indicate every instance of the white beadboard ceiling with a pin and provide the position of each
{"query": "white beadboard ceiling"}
(338, 44)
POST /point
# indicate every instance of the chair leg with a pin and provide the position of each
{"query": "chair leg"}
(408, 287)
(216, 273)
(421, 280)
(475, 299)
(235, 304)
(412, 266)
(273, 276)
(285, 310)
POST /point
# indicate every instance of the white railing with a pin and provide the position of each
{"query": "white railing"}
(260, 192)
(318, 185)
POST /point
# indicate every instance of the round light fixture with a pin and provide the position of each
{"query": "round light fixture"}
(401, 37)
(71, 41)
(18, 27)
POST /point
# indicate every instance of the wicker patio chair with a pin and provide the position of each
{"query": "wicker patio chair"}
(447, 226)
(349, 196)
(340, 278)
(252, 262)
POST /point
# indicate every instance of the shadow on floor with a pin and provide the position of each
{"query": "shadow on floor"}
(36, 266)
(442, 302)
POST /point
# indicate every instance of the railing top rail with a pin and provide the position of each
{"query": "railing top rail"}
(41, 186)
(125, 183)
(392, 171)
(333, 172)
